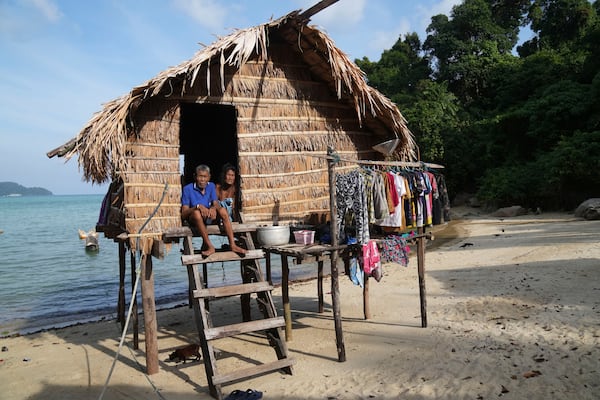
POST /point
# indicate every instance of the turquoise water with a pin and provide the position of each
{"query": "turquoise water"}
(48, 280)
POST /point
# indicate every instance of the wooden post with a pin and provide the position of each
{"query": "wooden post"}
(366, 306)
(247, 275)
(150, 325)
(320, 284)
(134, 309)
(335, 287)
(121, 298)
(268, 266)
(421, 272)
(285, 296)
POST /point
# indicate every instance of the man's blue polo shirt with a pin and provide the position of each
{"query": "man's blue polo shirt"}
(191, 195)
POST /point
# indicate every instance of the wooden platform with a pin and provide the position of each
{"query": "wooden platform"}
(174, 234)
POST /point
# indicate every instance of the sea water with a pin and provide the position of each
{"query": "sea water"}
(49, 280)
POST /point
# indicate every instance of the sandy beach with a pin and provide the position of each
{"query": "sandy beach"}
(513, 312)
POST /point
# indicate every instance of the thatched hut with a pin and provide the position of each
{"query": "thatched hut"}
(266, 99)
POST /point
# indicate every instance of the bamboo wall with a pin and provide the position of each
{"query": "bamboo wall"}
(153, 160)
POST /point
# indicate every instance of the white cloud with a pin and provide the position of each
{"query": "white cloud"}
(47, 8)
(209, 13)
(22, 21)
(341, 15)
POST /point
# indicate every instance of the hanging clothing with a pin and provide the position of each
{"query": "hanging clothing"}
(436, 204)
(408, 203)
(395, 249)
(397, 218)
(371, 260)
(356, 273)
(427, 195)
(351, 198)
(368, 177)
(444, 198)
(380, 205)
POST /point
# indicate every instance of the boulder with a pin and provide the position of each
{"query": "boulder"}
(589, 209)
(507, 212)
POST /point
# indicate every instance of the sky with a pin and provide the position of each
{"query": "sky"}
(61, 60)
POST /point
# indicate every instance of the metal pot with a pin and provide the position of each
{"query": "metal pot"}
(275, 235)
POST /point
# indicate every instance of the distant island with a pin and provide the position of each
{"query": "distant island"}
(14, 189)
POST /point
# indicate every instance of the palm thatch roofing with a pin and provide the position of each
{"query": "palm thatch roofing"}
(101, 144)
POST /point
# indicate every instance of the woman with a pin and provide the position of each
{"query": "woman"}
(226, 189)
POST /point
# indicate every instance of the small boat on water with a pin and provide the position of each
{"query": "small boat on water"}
(91, 240)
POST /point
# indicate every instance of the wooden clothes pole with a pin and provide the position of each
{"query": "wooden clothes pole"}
(421, 272)
(335, 287)
(366, 306)
(415, 164)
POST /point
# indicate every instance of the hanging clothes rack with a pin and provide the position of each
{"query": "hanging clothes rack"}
(413, 164)
(333, 158)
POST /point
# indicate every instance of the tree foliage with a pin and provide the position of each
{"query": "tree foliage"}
(519, 124)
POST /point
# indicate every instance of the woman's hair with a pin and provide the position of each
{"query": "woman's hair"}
(227, 167)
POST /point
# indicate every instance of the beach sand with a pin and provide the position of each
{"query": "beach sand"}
(514, 315)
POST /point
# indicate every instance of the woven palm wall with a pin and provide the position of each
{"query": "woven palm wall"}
(152, 154)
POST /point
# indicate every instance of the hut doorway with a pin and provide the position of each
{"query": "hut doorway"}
(208, 136)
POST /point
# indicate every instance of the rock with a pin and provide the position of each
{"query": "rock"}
(474, 202)
(512, 211)
(461, 199)
(589, 209)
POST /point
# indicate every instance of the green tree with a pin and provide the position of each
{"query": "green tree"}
(558, 23)
(518, 129)
(467, 47)
(399, 70)
(433, 114)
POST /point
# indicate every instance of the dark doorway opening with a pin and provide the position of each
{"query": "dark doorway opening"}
(207, 136)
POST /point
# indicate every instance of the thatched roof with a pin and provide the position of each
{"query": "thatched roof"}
(101, 143)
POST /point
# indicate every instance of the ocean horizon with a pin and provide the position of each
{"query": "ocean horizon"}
(50, 281)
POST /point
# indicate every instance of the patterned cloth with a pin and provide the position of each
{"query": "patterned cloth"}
(352, 198)
(395, 249)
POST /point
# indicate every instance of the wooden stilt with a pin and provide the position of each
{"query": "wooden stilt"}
(150, 325)
(335, 288)
(134, 309)
(285, 297)
(121, 299)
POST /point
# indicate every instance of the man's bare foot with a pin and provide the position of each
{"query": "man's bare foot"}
(237, 249)
(210, 250)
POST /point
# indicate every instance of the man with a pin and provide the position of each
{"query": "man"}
(200, 207)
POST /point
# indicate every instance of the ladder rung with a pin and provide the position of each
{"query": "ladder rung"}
(220, 332)
(253, 371)
(221, 256)
(226, 291)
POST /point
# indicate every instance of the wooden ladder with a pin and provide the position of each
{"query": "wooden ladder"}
(254, 282)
